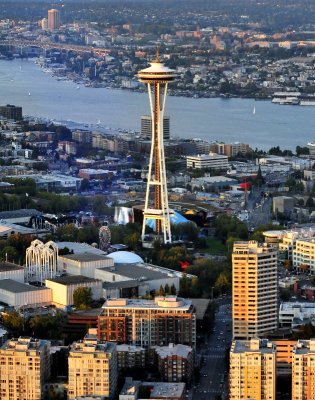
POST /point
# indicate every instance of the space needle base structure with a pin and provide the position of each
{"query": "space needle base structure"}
(157, 77)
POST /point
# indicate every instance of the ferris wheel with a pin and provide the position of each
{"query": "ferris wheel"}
(104, 238)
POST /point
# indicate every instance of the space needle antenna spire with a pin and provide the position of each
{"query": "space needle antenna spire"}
(157, 77)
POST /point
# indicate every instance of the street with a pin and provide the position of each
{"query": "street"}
(213, 374)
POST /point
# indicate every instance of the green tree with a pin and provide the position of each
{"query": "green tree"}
(227, 226)
(310, 202)
(132, 240)
(306, 332)
(173, 289)
(222, 282)
(85, 185)
(82, 298)
(13, 321)
(167, 289)
(161, 291)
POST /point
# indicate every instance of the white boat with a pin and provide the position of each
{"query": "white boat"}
(29, 93)
(254, 111)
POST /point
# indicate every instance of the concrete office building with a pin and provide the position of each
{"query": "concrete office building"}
(11, 112)
(92, 368)
(148, 323)
(63, 288)
(255, 296)
(303, 370)
(146, 127)
(253, 370)
(24, 367)
(207, 161)
(53, 19)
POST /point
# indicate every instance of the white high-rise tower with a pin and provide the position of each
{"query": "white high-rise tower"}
(157, 77)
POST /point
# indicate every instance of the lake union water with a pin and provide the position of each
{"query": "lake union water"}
(25, 84)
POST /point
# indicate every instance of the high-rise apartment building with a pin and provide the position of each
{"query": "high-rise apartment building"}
(254, 299)
(53, 19)
(24, 367)
(44, 24)
(92, 368)
(148, 323)
(146, 127)
(253, 370)
(303, 370)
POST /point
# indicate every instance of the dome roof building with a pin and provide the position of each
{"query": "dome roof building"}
(125, 257)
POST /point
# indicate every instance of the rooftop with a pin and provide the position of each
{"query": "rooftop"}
(211, 156)
(253, 345)
(85, 257)
(138, 271)
(121, 284)
(159, 390)
(160, 302)
(79, 248)
(179, 350)
(73, 280)
(7, 266)
(10, 285)
(19, 213)
(129, 348)
(24, 344)
(304, 347)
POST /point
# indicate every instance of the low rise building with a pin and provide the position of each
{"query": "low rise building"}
(11, 271)
(153, 275)
(83, 263)
(294, 314)
(130, 357)
(175, 362)
(208, 161)
(283, 204)
(213, 182)
(92, 173)
(64, 287)
(303, 255)
(17, 294)
(152, 390)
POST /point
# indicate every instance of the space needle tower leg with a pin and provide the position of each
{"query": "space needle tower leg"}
(157, 77)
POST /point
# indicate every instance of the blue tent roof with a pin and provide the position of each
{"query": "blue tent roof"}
(175, 219)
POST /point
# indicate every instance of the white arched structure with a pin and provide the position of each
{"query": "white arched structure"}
(41, 261)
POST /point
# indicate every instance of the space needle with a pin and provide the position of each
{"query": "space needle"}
(157, 77)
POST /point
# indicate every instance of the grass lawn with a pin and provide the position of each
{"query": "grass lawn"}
(215, 246)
